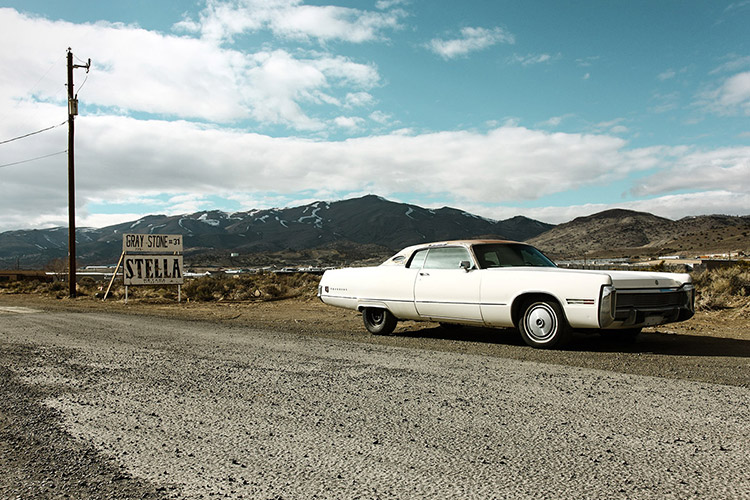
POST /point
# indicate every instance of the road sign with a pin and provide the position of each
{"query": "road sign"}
(152, 243)
(151, 269)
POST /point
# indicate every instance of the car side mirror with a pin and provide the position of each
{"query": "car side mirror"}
(465, 265)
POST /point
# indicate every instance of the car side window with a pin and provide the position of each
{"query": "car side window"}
(446, 258)
(418, 259)
(510, 255)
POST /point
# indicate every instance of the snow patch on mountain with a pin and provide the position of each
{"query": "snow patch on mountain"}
(211, 222)
(179, 223)
(314, 216)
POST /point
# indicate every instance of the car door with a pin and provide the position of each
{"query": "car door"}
(444, 290)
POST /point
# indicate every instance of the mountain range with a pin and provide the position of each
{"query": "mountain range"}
(381, 225)
(324, 233)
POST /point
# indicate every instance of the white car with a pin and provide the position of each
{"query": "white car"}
(495, 283)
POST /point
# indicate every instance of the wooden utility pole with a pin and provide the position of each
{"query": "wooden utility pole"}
(72, 112)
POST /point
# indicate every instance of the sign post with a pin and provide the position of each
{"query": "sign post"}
(152, 259)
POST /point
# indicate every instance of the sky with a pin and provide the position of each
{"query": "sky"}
(546, 109)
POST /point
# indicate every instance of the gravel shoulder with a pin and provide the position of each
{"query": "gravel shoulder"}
(292, 399)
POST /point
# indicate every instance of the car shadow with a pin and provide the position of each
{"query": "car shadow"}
(658, 342)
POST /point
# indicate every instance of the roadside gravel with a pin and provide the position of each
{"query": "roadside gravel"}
(143, 406)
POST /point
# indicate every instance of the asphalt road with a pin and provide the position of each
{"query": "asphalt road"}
(99, 405)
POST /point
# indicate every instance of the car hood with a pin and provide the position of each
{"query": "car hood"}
(620, 279)
(639, 279)
(646, 279)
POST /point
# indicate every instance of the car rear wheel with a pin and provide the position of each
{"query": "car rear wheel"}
(543, 325)
(379, 321)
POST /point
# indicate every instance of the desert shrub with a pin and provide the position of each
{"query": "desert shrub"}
(264, 286)
(87, 281)
(659, 267)
(167, 292)
(722, 288)
(275, 291)
(203, 289)
(240, 287)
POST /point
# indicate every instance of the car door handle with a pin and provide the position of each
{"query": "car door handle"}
(424, 274)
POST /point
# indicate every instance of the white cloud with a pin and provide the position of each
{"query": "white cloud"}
(387, 4)
(586, 62)
(726, 168)
(100, 220)
(530, 59)
(555, 121)
(186, 203)
(349, 122)
(221, 21)
(611, 126)
(381, 118)
(471, 40)
(279, 85)
(730, 98)
(664, 102)
(358, 99)
(134, 70)
(666, 75)
(735, 92)
(733, 63)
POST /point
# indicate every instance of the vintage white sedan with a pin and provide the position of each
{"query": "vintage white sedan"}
(506, 284)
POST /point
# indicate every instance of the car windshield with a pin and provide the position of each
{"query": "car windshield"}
(510, 255)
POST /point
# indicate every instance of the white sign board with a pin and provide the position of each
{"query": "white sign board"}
(152, 270)
(152, 243)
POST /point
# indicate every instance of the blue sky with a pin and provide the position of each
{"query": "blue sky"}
(540, 108)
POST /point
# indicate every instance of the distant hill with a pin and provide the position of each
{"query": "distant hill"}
(337, 230)
(628, 233)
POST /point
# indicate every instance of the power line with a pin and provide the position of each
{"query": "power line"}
(34, 133)
(33, 159)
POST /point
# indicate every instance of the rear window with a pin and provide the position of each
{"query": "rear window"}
(446, 258)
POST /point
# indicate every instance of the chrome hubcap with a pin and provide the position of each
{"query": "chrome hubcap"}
(541, 322)
(376, 317)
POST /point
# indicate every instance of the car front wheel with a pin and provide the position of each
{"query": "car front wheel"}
(543, 325)
(379, 321)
